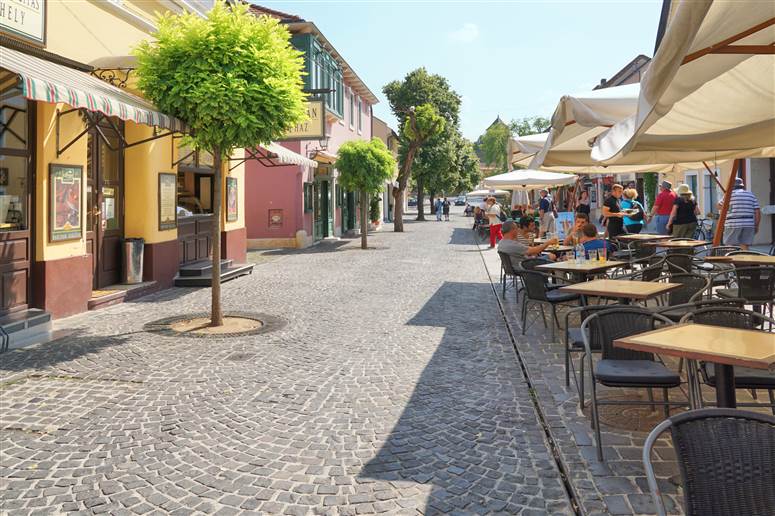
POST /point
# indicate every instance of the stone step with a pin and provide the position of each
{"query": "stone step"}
(231, 272)
(24, 328)
(202, 268)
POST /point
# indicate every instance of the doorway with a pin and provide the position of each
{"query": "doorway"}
(322, 209)
(105, 202)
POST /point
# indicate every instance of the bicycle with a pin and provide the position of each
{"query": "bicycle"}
(704, 229)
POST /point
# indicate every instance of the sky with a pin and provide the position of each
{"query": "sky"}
(511, 59)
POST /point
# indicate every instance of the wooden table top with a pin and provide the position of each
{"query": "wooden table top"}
(678, 244)
(732, 346)
(614, 288)
(642, 237)
(589, 266)
(559, 248)
(746, 259)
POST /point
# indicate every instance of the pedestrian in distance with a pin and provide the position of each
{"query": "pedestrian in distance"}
(743, 216)
(437, 206)
(633, 223)
(582, 205)
(612, 211)
(546, 212)
(445, 209)
(663, 205)
(683, 218)
(493, 211)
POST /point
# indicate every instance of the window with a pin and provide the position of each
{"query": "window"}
(710, 193)
(352, 110)
(338, 196)
(308, 197)
(360, 116)
(14, 159)
(195, 183)
(325, 74)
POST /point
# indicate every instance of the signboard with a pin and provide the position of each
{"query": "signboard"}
(315, 126)
(65, 209)
(231, 199)
(25, 19)
(168, 190)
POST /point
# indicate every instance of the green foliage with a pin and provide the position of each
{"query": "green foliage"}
(374, 208)
(467, 165)
(365, 166)
(530, 125)
(650, 187)
(418, 88)
(428, 124)
(494, 145)
(233, 78)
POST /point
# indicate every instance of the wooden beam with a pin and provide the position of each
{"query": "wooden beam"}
(737, 166)
(746, 49)
(715, 178)
(725, 43)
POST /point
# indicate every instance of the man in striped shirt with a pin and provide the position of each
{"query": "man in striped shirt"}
(743, 217)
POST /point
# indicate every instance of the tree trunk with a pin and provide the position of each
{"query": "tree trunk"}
(432, 197)
(403, 179)
(398, 210)
(364, 219)
(216, 316)
(420, 200)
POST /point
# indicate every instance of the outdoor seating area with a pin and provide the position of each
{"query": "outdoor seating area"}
(640, 341)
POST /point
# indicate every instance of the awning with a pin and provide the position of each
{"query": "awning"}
(50, 82)
(325, 157)
(709, 89)
(287, 156)
(527, 179)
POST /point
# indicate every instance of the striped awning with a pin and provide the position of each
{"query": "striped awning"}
(50, 82)
(287, 156)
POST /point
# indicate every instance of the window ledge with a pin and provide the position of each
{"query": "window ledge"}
(128, 15)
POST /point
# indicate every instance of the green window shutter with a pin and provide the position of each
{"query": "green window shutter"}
(307, 197)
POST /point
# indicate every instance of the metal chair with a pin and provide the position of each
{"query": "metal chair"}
(726, 458)
(679, 263)
(537, 290)
(745, 377)
(692, 289)
(619, 367)
(746, 251)
(754, 284)
(530, 264)
(652, 268)
(508, 272)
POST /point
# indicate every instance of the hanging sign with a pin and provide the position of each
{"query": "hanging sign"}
(24, 19)
(314, 128)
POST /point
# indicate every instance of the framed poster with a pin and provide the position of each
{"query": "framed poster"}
(168, 201)
(275, 218)
(65, 203)
(232, 200)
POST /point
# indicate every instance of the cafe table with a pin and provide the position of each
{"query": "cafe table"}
(559, 249)
(582, 269)
(743, 259)
(725, 347)
(642, 237)
(624, 290)
(678, 244)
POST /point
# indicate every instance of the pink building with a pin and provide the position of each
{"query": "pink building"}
(297, 205)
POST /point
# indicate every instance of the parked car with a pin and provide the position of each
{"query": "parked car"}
(460, 201)
(412, 202)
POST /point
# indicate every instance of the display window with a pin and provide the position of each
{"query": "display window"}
(14, 164)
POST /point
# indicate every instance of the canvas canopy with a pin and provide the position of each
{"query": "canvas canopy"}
(527, 179)
(709, 91)
(486, 193)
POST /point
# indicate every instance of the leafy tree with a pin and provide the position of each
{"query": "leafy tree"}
(365, 167)
(416, 89)
(494, 145)
(234, 79)
(467, 166)
(433, 170)
(530, 125)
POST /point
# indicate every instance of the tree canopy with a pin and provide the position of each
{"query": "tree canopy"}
(494, 146)
(530, 125)
(233, 78)
(365, 166)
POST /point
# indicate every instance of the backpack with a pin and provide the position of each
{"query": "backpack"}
(641, 212)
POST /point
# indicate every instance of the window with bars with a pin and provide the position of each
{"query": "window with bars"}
(308, 192)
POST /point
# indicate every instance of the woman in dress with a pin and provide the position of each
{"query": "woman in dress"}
(582, 205)
(683, 218)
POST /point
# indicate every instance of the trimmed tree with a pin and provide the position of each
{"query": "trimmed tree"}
(234, 79)
(365, 167)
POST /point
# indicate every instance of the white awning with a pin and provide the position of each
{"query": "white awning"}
(287, 156)
(709, 90)
(50, 82)
(527, 179)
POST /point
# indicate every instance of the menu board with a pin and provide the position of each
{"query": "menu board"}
(168, 190)
(65, 210)
(231, 199)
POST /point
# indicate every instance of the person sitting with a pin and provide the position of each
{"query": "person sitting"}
(516, 250)
(516, 212)
(573, 235)
(590, 241)
(479, 217)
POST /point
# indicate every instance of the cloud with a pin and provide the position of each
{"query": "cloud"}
(465, 34)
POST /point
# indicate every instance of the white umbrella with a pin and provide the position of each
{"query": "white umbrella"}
(528, 179)
(710, 88)
(486, 193)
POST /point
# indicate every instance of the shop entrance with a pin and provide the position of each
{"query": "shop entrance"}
(105, 202)
(322, 209)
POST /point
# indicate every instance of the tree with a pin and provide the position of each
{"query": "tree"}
(433, 170)
(418, 88)
(494, 145)
(467, 166)
(530, 125)
(365, 167)
(234, 79)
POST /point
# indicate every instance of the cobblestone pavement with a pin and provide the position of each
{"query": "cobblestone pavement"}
(392, 389)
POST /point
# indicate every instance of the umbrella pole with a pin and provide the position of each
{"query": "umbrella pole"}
(737, 166)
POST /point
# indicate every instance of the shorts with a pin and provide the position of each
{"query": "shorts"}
(739, 236)
(547, 223)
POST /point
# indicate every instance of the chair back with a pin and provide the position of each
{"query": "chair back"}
(746, 251)
(535, 284)
(727, 316)
(604, 327)
(678, 263)
(756, 284)
(530, 264)
(722, 250)
(726, 458)
(508, 267)
(654, 270)
(640, 251)
(692, 288)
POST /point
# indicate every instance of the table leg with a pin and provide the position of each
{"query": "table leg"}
(693, 384)
(725, 386)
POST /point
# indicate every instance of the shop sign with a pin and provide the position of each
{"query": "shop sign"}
(231, 199)
(65, 208)
(314, 128)
(168, 199)
(24, 19)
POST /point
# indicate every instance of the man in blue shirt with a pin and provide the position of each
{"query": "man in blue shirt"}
(546, 214)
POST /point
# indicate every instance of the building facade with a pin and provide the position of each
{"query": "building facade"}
(381, 130)
(296, 206)
(86, 163)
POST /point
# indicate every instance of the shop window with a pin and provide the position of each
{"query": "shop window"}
(195, 182)
(308, 197)
(14, 159)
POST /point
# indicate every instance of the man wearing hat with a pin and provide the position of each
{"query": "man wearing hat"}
(546, 214)
(743, 216)
(663, 205)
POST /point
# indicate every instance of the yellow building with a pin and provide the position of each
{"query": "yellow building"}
(86, 163)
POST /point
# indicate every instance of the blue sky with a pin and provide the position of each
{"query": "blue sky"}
(507, 58)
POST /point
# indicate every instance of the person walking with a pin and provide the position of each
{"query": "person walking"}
(663, 205)
(743, 217)
(445, 209)
(612, 211)
(437, 207)
(683, 217)
(633, 223)
(546, 214)
(493, 210)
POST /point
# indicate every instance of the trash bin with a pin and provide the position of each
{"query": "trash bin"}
(133, 261)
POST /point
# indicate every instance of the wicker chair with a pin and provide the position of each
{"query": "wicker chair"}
(726, 458)
(538, 291)
(754, 284)
(620, 367)
(530, 264)
(745, 378)
(692, 289)
(508, 272)
(679, 263)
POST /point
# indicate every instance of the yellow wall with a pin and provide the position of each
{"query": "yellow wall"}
(70, 126)
(239, 173)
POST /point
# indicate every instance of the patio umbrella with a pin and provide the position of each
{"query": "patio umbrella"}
(528, 179)
(486, 193)
(709, 91)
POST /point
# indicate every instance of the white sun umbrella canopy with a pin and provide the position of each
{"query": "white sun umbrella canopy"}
(528, 179)
(709, 91)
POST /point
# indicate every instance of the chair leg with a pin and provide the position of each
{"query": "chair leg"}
(581, 381)
(651, 399)
(524, 314)
(555, 322)
(772, 400)
(596, 424)
(567, 361)
(666, 396)
(543, 315)
(680, 365)
(503, 284)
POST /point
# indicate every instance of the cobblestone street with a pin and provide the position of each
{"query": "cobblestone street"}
(393, 388)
